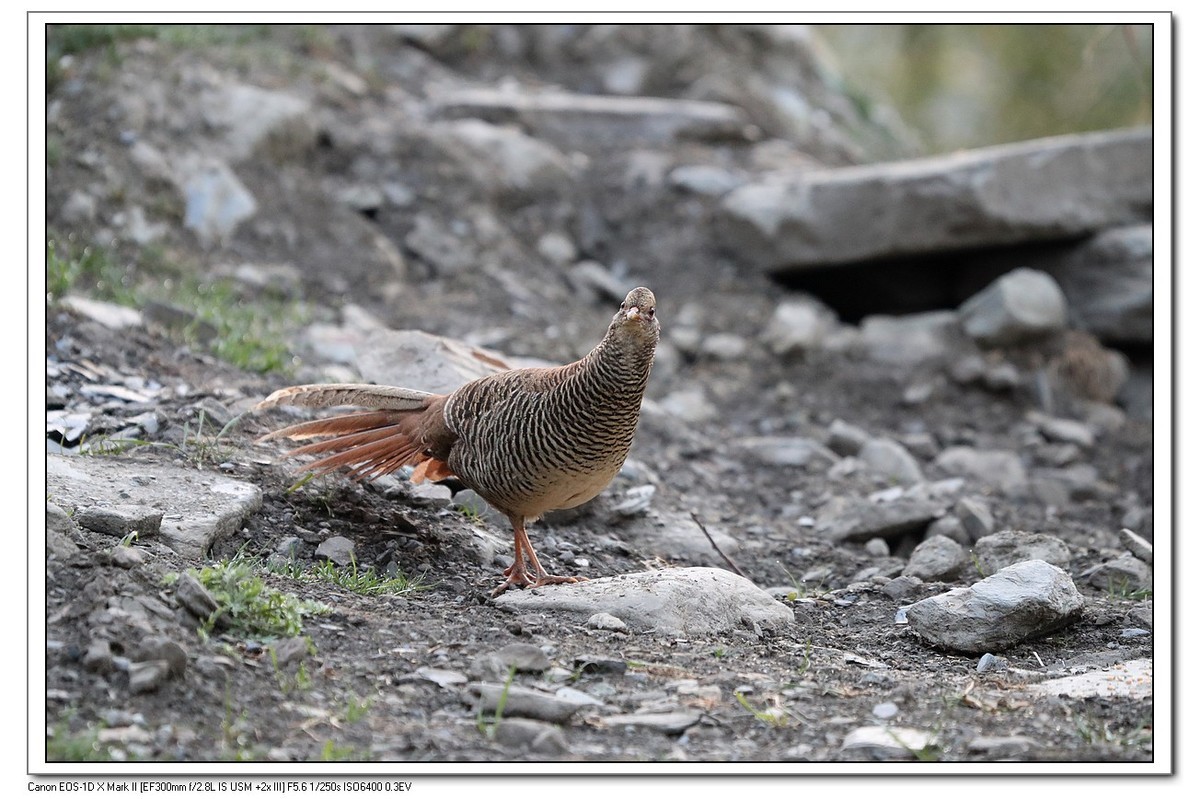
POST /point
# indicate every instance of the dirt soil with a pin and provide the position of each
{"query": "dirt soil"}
(789, 696)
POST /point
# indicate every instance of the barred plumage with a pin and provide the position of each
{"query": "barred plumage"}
(527, 440)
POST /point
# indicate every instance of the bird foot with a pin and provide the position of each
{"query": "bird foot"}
(527, 580)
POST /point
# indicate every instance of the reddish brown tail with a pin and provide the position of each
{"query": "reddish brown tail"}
(370, 444)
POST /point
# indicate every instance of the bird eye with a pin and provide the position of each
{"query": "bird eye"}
(651, 311)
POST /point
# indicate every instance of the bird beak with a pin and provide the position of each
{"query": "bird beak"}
(632, 313)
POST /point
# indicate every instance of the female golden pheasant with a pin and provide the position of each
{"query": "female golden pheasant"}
(527, 440)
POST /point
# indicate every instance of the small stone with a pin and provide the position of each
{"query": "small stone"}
(996, 551)
(195, 597)
(1066, 431)
(671, 723)
(537, 737)
(724, 347)
(889, 459)
(989, 662)
(1139, 547)
(903, 587)
(1022, 305)
(147, 676)
(689, 405)
(598, 664)
(557, 248)
(1002, 747)
(636, 501)
(1123, 576)
(951, 527)
(887, 742)
(158, 648)
(338, 549)
(998, 468)
(877, 547)
(127, 557)
(291, 650)
(885, 710)
(443, 677)
(788, 451)
(975, 517)
(710, 181)
(937, 558)
(522, 657)
(606, 621)
(1018, 603)
(522, 702)
(120, 520)
(798, 326)
(99, 657)
(845, 438)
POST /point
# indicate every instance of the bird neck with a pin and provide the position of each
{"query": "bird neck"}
(622, 361)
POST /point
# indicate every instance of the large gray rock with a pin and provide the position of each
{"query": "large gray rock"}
(1022, 305)
(1039, 190)
(197, 508)
(584, 121)
(1109, 283)
(423, 361)
(1020, 602)
(997, 468)
(692, 601)
(507, 162)
(860, 520)
(999, 550)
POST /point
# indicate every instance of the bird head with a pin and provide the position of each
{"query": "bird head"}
(637, 314)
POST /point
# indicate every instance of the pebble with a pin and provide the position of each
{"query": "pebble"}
(885, 710)
(148, 675)
(1139, 547)
(989, 662)
(1122, 576)
(1002, 747)
(887, 742)
(889, 459)
(290, 650)
(724, 347)
(670, 723)
(903, 587)
(936, 558)
(522, 702)
(606, 621)
(1021, 305)
(537, 737)
(997, 468)
(994, 552)
(950, 527)
(120, 520)
(127, 557)
(338, 549)
(443, 677)
(975, 516)
(522, 657)
(99, 657)
(877, 547)
(1018, 603)
(195, 597)
(846, 439)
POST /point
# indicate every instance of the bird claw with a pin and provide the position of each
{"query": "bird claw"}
(527, 580)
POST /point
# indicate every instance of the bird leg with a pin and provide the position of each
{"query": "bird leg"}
(517, 575)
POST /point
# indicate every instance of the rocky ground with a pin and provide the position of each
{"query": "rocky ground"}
(898, 507)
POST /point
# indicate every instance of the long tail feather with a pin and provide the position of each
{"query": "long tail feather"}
(365, 395)
(371, 443)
